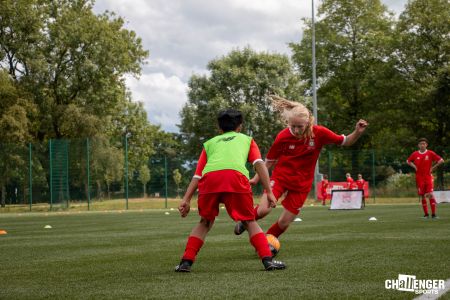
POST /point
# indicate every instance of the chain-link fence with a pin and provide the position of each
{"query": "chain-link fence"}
(388, 175)
(98, 174)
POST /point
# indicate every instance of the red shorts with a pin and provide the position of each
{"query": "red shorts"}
(293, 201)
(324, 195)
(424, 186)
(239, 205)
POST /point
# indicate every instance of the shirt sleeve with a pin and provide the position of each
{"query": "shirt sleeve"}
(412, 157)
(329, 137)
(436, 157)
(254, 155)
(200, 164)
(275, 150)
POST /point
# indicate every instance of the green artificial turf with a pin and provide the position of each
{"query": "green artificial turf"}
(132, 254)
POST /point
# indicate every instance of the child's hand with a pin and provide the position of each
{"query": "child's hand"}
(184, 208)
(272, 200)
(254, 180)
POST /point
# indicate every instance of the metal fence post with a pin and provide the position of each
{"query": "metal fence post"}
(67, 173)
(30, 179)
(126, 170)
(51, 174)
(373, 175)
(165, 178)
(88, 175)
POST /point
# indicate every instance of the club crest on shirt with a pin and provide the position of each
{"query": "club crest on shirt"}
(311, 143)
(426, 157)
(291, 147)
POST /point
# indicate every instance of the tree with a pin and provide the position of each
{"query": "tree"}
(71, 60)
(16, 110)
(353, 47)
(144, 177)
(423, 58)
(241, 80)
(72, 63)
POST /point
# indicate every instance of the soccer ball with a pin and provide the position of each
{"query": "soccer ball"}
(274, 244)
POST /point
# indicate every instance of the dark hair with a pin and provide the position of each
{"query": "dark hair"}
(422, 140)
(229, 119)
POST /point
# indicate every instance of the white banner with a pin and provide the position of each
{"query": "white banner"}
(442, 196)
(346, 199)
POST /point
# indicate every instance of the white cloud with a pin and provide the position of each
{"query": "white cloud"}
(184, 35)
(163, 97)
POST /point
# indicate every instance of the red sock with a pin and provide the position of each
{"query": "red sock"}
(192, 247)
(276, 230)
(259, 241)
(433, 205)
(255, 211)
(424, 205)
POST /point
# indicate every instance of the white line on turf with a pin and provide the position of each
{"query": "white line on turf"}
(440, 293)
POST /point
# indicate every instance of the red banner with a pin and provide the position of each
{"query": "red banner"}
(333, 185)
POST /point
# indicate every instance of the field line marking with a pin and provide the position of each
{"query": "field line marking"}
(434, 297)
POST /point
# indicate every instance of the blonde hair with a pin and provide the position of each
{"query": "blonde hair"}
(289, 109)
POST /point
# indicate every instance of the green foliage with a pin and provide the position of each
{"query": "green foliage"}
(71, 60)
(423, 58)
(241, 80)
(16, 111)
(389, 72)
(400, 184)
(352, 40)
(71, 64)
(422, 55)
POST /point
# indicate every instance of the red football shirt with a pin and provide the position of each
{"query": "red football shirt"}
(360, 184)
(225, 180)
(349, 182)
(423, 162)
(324, 185)
(296, 158)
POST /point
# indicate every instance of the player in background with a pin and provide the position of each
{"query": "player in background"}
(360, 182)
(349, 181)
(221, 177)
(422, 162)
(324, 188)
(293, 157)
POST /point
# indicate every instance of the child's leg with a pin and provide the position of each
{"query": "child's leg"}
(258, 239)
(196, 239)
(292, 204)
(424, 205)
(282, 224)
(263, 209)
(432, 204)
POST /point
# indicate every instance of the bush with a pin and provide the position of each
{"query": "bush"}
(399, 185)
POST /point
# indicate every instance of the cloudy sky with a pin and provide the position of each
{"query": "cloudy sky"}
(184, 35)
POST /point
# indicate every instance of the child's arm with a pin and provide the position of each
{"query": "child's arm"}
(263, 173)
(185, 204)
(269, 165)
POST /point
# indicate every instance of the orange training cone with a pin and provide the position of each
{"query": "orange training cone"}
(3, 232)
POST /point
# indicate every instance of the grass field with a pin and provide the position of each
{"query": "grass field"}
(132, 254)
(150, 203)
